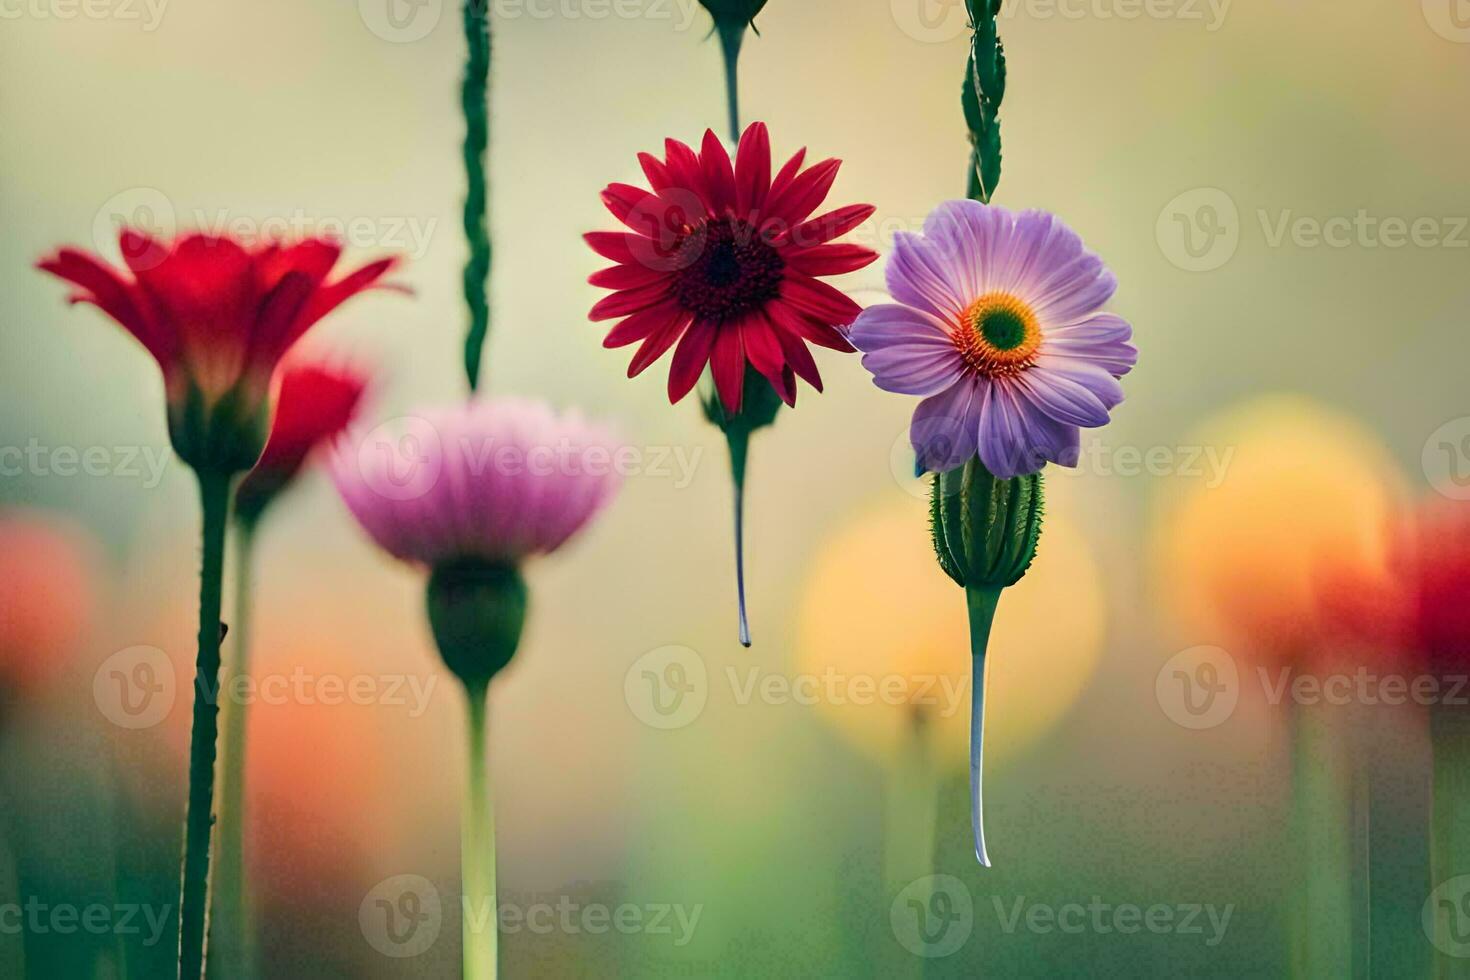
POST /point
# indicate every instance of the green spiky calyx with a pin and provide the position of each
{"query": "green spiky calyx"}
(985, 529)
(477, 610)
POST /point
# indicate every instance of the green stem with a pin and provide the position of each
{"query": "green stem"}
(731, 36)
(1450, 834)
(982, 602)
(474, 99)
(477, 851)
(214, 495)
(1322, 914)
(739, 440)
(232, 946)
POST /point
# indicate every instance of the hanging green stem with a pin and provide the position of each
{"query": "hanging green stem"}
(474, 97)
(982, 601)
(983, 90)
(731, 36)
(477, 851)
(214, 495)
(739, 440)
(232, 940)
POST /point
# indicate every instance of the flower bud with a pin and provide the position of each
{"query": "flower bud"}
(733, 13)
(985, 529)
(222, 436)
(476, 610)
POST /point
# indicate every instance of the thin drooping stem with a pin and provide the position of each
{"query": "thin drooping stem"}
(477, 851)
(982, 602)
(739, 440)
(214, 495)
(474, 99)
(731, 36)
(231, 933)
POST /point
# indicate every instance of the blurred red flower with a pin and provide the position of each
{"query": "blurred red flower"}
(313, 404)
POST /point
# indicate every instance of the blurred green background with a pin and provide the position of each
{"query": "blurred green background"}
(1194, 147)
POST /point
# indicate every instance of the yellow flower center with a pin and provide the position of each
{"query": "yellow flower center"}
(998, 335)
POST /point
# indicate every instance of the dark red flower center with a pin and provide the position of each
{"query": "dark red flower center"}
(726, 268)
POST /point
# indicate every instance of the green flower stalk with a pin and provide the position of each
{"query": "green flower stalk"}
(474, 524)
(474, 101)
(982, 92)
(731, 18)
(218, 316)
(985, 536)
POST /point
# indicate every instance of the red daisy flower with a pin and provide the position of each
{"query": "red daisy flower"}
(313, 405)
(725, 260)
(217, 316)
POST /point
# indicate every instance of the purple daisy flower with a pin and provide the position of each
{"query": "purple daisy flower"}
(997, 325)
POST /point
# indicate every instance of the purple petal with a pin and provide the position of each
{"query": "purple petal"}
(1072, 291)
(918, 275)
(1005, 446)
(906, 350)
(944, 426)
(1101, 339)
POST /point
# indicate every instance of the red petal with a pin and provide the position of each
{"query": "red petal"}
(788, 172)
(833, 224)
(628, 301)
(727, 363)
(685, 172)
(690, 357)
(719, 175)
(764, 352)
(206, 289)
(615, 245)
(655, 171)
(799, 357)
(630, 276)
(795, 203)
(313, 257)
(830, 260)
(103, 287)
(654, 347)
(821, 334)
(817, 299)
(643, 324)
(752, 169)
(333, 295)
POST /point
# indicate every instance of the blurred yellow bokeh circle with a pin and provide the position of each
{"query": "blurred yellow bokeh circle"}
(888, 631)
(1306, 493)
